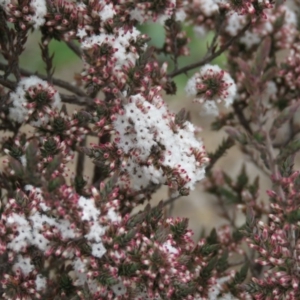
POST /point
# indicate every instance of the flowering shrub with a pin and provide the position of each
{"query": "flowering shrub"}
(64, 238)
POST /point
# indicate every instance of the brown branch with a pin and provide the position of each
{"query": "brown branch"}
(80, 159)
(7, 83)
(74, 99)
(209, 58)
(55, 81)
(75, 49)
(240, 115)
(171, 200)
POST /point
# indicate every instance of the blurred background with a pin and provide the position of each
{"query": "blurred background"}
(200, 207)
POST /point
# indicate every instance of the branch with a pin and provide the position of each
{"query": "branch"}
(7, 83)
(209, 58)
(171, 200)
(55, 81)
(80, 159)
(74, 99)
(75, 49)
(240, 115)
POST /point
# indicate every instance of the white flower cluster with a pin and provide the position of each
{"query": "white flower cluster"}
(31, 232)
(22, 110)
(210, 86)
(208, 8)
(38, 11)
(138, 13)
(145, 126)
(91, 213)
(252, 37)
(120, 44)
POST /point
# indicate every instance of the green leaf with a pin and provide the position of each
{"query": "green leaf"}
(286, 115)
(209, 249)
(179, 229)
(207, 271)
(227, 179)
(213, 237)
(254, 187)
(294, 216)
(124, 239)
(290, 149)
(241, 276)
(55, 183)
(128, 269)
(286, 167)
(238, 234)
(229, 196)
(242, 179)
(220, 152)
(222, 264)
(79, 184)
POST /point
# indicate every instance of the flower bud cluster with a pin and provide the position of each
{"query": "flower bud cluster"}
(33, 101)
(210, 86)
(277, 243)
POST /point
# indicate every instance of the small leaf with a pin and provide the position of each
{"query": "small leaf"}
(55, 183)
(229, 196)
(286, 115)
(227, 179)
(241, 276)
(254, 187)
(213, 237)
(242, 179)
(262, 56)
(17, 167)
(290, 149)
(269, 74)
(236, 134)
(222, 263)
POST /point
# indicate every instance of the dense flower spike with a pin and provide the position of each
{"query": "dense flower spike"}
(157, 149)
(74, 237)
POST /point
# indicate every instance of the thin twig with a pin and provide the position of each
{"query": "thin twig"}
(74, 99)
(8, 83)
(75, 49)
(240, 114)
(56, 81)
(171, 200)
(80, 159)
(209, 58)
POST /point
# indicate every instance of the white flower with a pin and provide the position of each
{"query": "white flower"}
(98, 249)
(20, 111)
(40, 10)
(23, 264)
(40, 282)
(89, 210)
(145, 126)
(119, 289)
(81, 33)
(235, 23)
(107, 12)
(211, 85)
